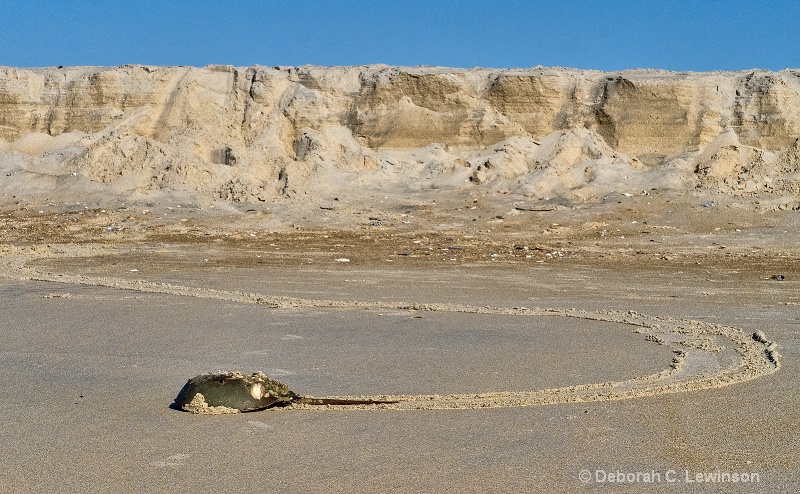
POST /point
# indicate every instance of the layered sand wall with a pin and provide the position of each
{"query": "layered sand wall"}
(255, 133)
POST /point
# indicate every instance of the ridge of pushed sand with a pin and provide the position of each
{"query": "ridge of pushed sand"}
(706, 355)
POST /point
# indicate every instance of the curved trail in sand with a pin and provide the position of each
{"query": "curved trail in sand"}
(705, 355)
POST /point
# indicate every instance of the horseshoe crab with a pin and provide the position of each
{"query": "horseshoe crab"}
(234, 392)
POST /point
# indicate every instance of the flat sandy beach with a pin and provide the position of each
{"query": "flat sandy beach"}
(100, 336)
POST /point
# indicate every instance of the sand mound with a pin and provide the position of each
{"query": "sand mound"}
(729, 165)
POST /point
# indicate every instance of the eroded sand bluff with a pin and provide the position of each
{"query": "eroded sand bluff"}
(257, 133)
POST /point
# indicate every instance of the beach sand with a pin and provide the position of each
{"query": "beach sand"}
(100, 336)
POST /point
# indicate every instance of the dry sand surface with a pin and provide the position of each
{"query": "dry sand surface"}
(520, 357)
(563, 278)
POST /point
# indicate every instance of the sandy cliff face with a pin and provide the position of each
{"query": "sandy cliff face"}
(252, 134)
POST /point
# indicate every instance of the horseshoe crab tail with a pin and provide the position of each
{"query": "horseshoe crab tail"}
(309, 400)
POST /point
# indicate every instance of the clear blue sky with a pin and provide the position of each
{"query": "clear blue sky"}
(607, 35)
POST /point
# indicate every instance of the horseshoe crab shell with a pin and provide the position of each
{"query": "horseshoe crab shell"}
(232, 392)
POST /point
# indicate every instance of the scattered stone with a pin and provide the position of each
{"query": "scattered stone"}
(760, 337)
(58, 295)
